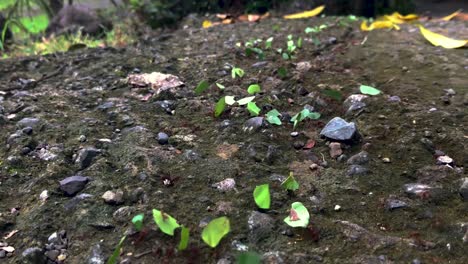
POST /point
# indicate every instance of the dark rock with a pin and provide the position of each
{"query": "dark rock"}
(2, 254)
(427, 143)
(357, 170)
(339, 129)
(253, 124)
(359, 159)
(85, 157)
(167, 105)
(105, 105)
(260, 226)
(354, 102)
(298, 144)
(464, 189)
(27, 130)
(163, 138)
(70, 205)
(74, 184)
(52, 254)
(33, 255)
(273, 153)
(73, 18)
(96, 256)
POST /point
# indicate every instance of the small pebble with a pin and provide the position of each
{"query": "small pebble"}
(337, 208)
(386, 160)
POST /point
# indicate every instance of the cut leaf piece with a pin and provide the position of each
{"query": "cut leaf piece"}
(378, 24)
(262, 196)
(290, 183)
(207, 24)
(253, 89)
(449, 17)
(201, 87)
(246, 100)
(298, 216)
(229, 99)
(440, 40)
(272, 117)
(215, 231)
(369, 90)
(165, 222)
(220, 86)
(184, 238)
(137, 221)
(306, 14)
(253, 108)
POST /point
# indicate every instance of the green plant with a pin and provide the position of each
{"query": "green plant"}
(273, 117)
(115, 255)
(220, 106)
(165, 222)
(364, 89)
(253, 109)
(237, 72)
(290, 183)
(184, 238)
(137, 221)
(315, 29)
(215, 231)
(305, 113)
(261, 196)
(201, 87)
(298, 216)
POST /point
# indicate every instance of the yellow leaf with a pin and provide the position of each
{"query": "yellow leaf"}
(408, 17)
(394, 19)
(440, 40)
(207, 24)
(449, 17)
(378, 24)
(306, 14)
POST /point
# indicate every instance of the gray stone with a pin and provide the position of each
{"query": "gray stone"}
(85, 157)
(339, 129)
(123, 214)
(74, 184)
(33, 255)
(416, 189)
(29, 122)
(111, 197)
(354, 102)
(163, 138)
(359, 159)
(260, 226)
(52, 254)
(253, 124)
(392, 204)
(357, 170)
(464, 189)
(96, 256)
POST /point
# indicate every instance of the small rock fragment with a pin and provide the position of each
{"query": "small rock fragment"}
(163, 138)
(464, 189)
(114, 198)
(225, 185)
(359, 159)
(339, 129)
(74, 184)
(335, 149)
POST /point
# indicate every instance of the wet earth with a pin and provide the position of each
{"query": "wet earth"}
(396, 192)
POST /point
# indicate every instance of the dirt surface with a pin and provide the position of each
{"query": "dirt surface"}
(83, 118)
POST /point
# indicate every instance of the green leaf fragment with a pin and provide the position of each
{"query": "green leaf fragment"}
(282, 72)
(248, 258)
(369, 90)
(253, 89)
(299, 42)
(165, 222)
(219, 107)
(262, 196)
(299, 216)
(137, 221)
(215, 231)
(184, 238)
(253, 108)
(229, 99)
(116, 253)
(336, 95)
(220, 86)
(237, 72)
(201, 87)
(290, 183)
(273, 117)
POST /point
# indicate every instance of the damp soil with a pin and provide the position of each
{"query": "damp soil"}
(82, 99)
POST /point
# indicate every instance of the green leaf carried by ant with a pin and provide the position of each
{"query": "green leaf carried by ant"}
(184, 238)
(262, 196)
(201, 87)
(115, 255)
(220, 106)
(253, 89)
(237, 72)
(260, 54)
(298, 215)
(305, 113)
(166, 223)
(315, 29)
(364, 89)
(215, 231)
(273, 117)
(248, 258)
(290, 183)
(253, 109)
(336, 95)
(269, 43)
(220, 86)
(245, 100)
(137, 221)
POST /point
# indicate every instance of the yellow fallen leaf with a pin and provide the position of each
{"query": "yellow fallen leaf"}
(306, 14)
(440, 40)
(377, 25)
(207, 24)
(454, 14)
(408, 17)
(394, 19)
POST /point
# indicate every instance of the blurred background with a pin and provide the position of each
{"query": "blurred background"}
(44, 26)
